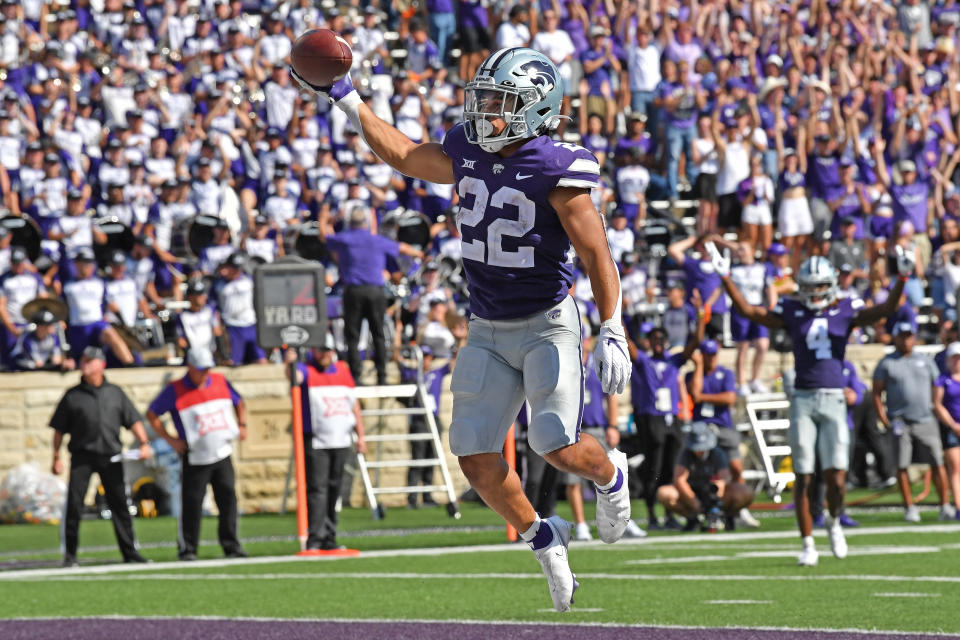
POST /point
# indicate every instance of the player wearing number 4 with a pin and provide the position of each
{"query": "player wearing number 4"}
(523, 200)
(819, 324)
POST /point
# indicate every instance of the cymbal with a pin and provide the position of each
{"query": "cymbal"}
(129, 337)
(55, 306)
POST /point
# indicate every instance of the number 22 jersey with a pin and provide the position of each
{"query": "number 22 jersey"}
(819, 340)
(515, 251)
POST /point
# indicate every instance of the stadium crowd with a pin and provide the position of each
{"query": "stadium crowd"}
(152, 151)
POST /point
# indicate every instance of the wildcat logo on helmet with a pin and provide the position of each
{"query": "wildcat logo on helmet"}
(539, 74)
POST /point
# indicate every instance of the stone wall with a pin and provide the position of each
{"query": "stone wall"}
(27, 401)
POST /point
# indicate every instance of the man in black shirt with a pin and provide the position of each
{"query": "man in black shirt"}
(92, 413)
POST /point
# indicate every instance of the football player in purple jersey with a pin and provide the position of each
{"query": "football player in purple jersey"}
(523, 200)
(820, 324)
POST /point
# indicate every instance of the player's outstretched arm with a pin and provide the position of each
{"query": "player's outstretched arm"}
(906, 261)
(584, 227)
(425, 161)
(760, 315)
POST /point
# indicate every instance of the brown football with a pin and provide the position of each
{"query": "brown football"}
(321, 57)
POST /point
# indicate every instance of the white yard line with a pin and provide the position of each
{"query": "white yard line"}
(738, 602)
(800, 576)
(719, 539)
(906, 594)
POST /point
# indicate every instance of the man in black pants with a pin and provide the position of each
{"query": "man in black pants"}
(330, 414)
(208, 415)
(92, 413)
(655, 389)
(362, 258)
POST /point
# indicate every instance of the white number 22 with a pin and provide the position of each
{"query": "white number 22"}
(496, 256)
(818, 339)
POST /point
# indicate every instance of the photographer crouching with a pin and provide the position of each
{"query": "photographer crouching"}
(702, 490)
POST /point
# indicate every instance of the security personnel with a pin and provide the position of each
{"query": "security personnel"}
(202, 405)
(330, 414)
(92, 413)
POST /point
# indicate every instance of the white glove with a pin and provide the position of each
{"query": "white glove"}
(720, 264)
(906, 261)
(611, 357)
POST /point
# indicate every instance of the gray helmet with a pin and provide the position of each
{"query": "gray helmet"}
(815, 273)
(520, 85)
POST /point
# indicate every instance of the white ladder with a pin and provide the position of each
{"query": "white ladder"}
(419, 393)
(771, 454)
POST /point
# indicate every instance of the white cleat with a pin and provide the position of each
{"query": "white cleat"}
(947, 512)
(912, 514)
(838, 542)
(747, 519)
(633, 530)
(582, 532)
(556, 565)
(808, 557)
(613, 509)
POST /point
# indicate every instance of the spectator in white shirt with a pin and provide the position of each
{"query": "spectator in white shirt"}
(514, 32)
(643, 71)
(619, 236)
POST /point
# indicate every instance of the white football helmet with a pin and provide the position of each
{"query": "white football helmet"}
(519, 85)
(817, 282)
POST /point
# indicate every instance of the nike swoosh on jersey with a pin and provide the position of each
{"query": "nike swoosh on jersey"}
(520, 176)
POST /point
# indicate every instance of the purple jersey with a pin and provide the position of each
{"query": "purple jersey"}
(819, 340)
(720, 380)
(823, 173)
(951, 395)
(594, 400)
(852, 381)
(654, 389)
(910, 203)
(514, 247)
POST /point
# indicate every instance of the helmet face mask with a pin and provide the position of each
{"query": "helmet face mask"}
(522, 88)
(817, 283)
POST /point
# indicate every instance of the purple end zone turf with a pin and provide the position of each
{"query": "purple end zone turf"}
(190, 629)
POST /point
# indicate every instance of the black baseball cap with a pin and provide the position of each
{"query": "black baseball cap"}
(74, 193)
(118, 257)
(196, 288)
(18, 255)
(235, 260)
(93, 352)
(43, 317)
(84, 254)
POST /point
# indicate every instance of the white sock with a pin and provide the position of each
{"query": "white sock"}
(609, 485)
(530, 533)
(808, 542)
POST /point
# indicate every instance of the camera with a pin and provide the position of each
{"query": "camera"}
(714, 520)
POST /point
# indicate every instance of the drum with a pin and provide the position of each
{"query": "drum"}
(149, 332)
(119, 236)
(24, 233)
(413, 228)
(54, 305)
(307, 243)
(200, 233)
(128, 337)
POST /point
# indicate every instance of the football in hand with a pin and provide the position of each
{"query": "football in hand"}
(321, 57)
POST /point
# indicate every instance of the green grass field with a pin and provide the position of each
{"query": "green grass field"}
(898, 577)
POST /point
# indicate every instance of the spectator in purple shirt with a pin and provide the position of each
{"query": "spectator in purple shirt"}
(599, 63)
(362, 257)
(443, 25)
